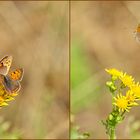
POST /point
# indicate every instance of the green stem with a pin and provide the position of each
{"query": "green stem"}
(112, 134)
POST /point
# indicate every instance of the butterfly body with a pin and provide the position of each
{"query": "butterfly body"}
(10, 80)
(7, 82)
(11, 86)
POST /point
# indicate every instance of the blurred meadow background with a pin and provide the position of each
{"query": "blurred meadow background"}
(36, 34)
(102, 37)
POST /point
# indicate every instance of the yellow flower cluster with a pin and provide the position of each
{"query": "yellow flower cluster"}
(125, 102)
(5, 96)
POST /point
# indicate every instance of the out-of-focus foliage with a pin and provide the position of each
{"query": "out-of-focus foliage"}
(83, 82)
(102, 37)
(36, 34)
(79, 65)
(75, 134)
(133, 127)
(6, 133)
(75, 130)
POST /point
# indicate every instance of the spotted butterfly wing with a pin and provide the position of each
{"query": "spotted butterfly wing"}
(16, 75)
(11, 82)
(5, 64)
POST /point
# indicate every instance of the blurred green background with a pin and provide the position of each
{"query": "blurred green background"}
(36, 34)
(101, 37)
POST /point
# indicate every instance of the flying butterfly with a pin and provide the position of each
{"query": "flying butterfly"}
(137, 33)
(10, 80)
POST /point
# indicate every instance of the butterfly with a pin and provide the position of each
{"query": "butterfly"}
(10, 80)
(137, 33)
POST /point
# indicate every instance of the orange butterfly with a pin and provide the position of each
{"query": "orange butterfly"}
(10, 80)
(137, 33)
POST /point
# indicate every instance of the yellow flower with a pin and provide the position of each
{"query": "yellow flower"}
(1, 99)
(135, 88)
(114, 72)
(127, 80)
(130, 96)
(124, 103)
(121, 102)
(5, 96)
(2, 90)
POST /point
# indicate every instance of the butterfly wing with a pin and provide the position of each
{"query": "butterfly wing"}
(11, 86)
(11, 81)
(16, 75)
(5, 64)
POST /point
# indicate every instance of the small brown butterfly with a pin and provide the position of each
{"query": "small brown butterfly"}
(10, 80)
(137, 33)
